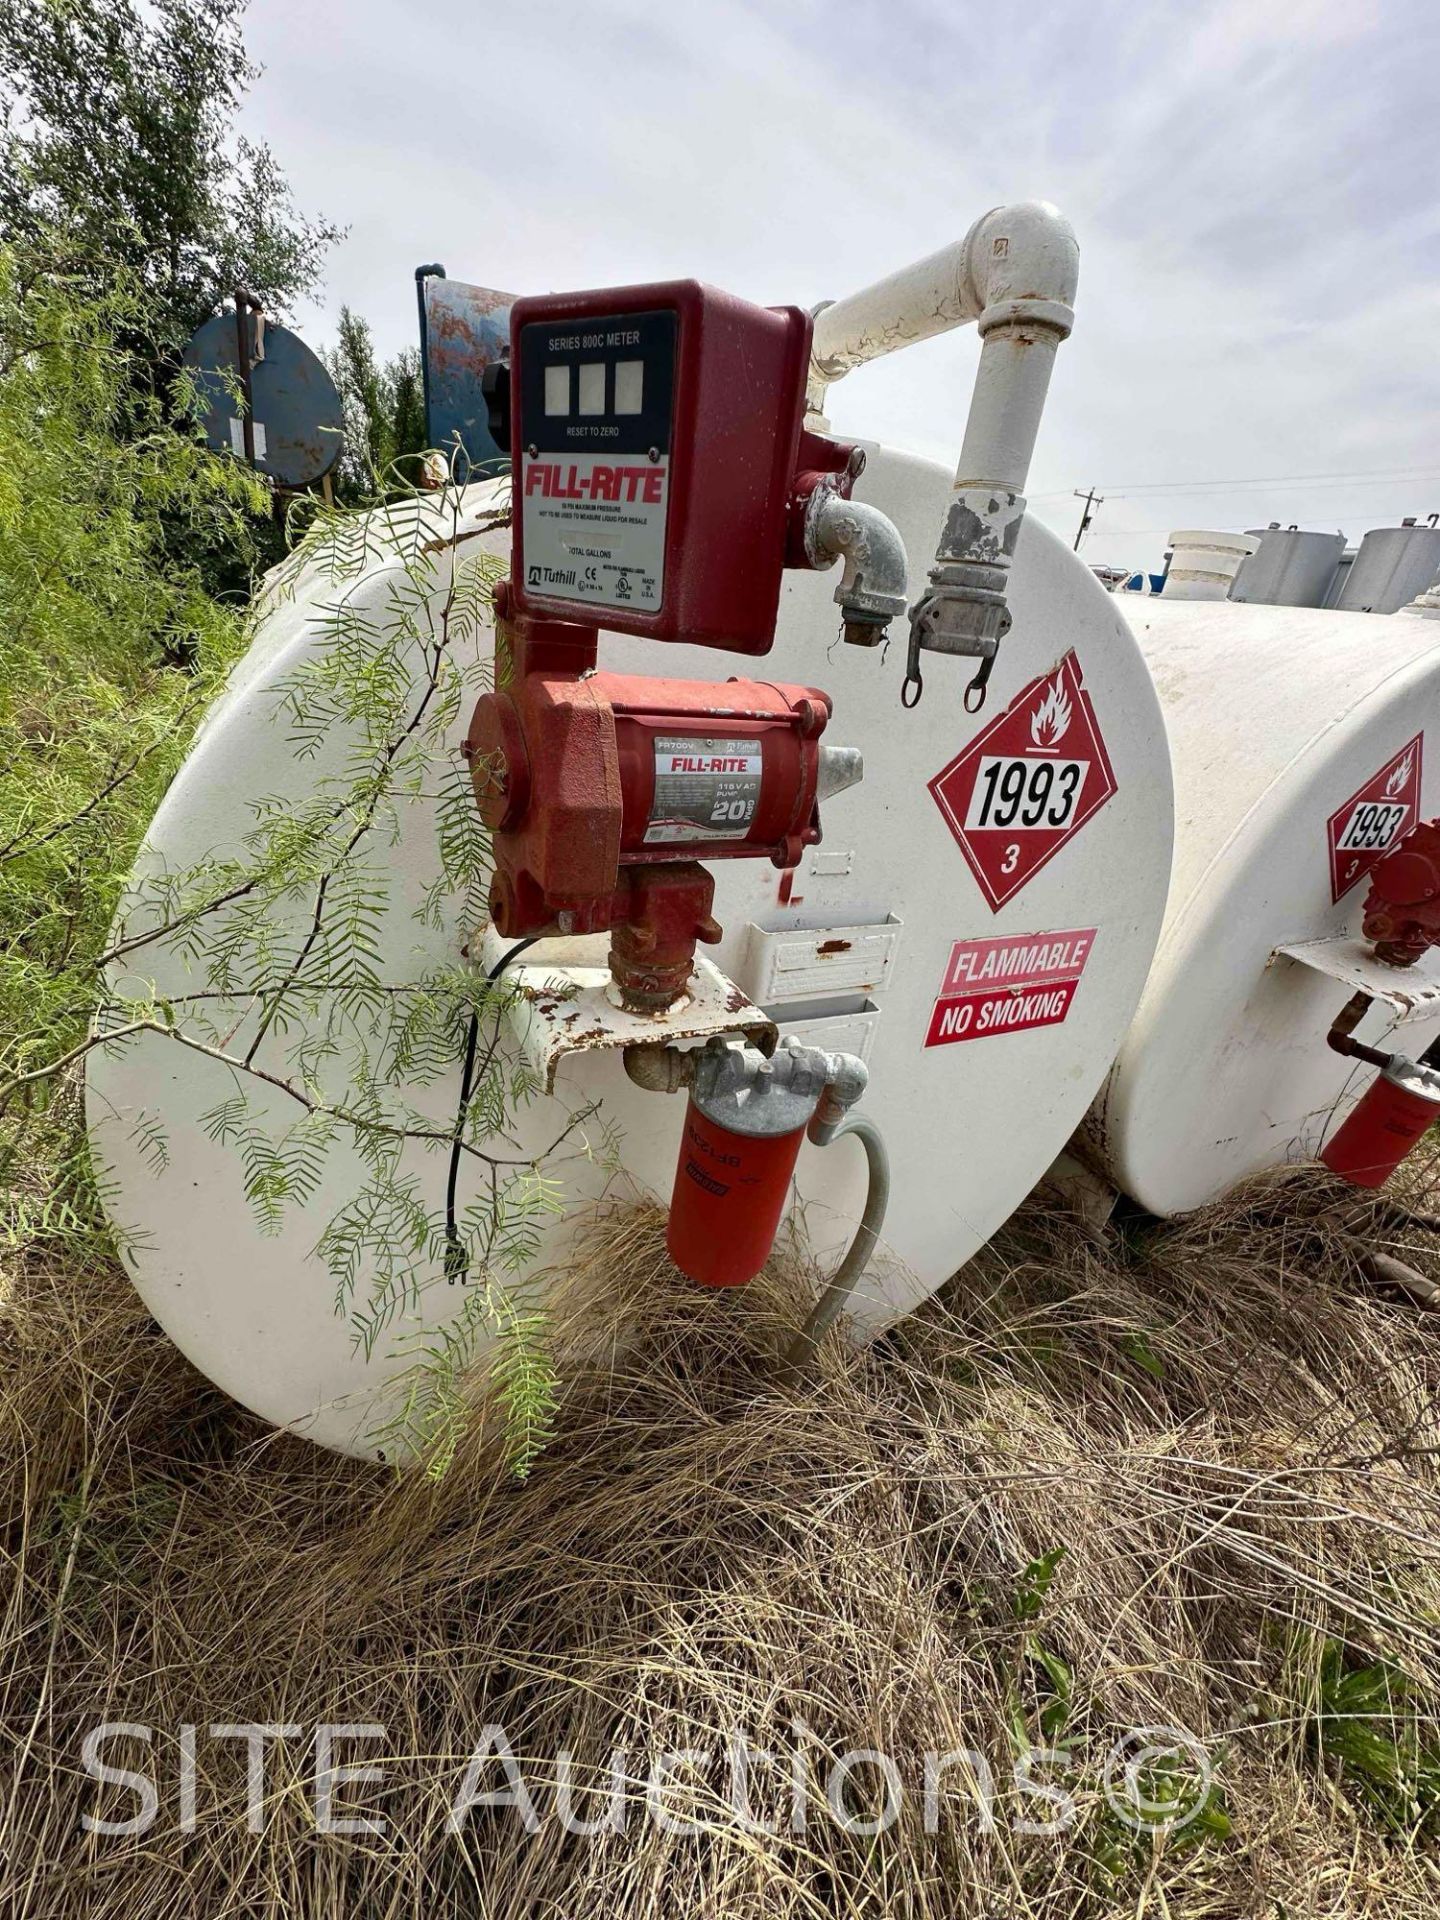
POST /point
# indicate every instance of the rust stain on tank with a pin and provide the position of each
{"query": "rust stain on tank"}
(827, 948)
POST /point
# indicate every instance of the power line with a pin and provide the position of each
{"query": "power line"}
(1239, 483)
(1285, 479)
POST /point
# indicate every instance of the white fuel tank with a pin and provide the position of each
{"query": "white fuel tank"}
(1303, 742)
(977, 924)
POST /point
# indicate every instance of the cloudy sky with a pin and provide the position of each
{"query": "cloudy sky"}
(1255, 185)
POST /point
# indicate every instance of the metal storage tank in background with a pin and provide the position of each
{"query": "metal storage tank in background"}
(1303, 743)
(1204, 561)
(1293, 567)
(1393, 565)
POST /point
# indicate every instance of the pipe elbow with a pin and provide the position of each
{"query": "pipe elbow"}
(1022, 265)
(659, 1069)
(873, 588)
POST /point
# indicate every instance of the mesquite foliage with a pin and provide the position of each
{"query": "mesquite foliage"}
(267, 957)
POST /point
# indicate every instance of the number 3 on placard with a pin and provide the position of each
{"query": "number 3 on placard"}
(1011, 860)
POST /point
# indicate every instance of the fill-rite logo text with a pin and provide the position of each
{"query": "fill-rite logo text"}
(708, 763)
(553, 480)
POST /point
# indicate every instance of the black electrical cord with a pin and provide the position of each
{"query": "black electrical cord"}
(456, 1265)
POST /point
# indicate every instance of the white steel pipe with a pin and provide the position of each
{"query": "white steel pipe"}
(1014, 274)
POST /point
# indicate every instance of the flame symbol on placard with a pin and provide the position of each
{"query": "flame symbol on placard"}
(1051, 719)
(1396, 783)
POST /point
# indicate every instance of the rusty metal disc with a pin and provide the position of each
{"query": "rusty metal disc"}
(298, 421)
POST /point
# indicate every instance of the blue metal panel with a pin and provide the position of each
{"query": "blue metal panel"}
(462, 330)
(298, 418)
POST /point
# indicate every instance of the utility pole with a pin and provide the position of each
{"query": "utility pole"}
(1093, 502)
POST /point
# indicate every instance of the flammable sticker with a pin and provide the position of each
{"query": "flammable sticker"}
(1374, 817)
(1007, 983)
(1027, 783)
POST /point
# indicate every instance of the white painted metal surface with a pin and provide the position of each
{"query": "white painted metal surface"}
(971, 1125)
(1277, 718)
(1205, 561)
(1426, 605)
(567, 1003)
(1407, 991)
(780, 967)
(1339, 577)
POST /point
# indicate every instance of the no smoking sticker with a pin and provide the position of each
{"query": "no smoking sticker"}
(1008, 983)
(1373, 818)
(1027, 783)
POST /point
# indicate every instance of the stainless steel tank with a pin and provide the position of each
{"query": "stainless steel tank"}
(1293, 567)
(1394, 564)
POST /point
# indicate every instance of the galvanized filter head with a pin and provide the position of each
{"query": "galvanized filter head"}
(736, 1087)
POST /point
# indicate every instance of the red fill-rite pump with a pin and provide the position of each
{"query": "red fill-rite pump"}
(663, 480)
(1401, 1104)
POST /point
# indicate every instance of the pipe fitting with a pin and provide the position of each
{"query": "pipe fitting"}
(1018, 266)
(872, 590)
(659, 1069)
(1014, 274)
(742, 1089)
(849, 1077)
(752, 1092)
(1340, 1039)
(840, 767)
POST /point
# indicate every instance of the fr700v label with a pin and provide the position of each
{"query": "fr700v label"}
(704, 789)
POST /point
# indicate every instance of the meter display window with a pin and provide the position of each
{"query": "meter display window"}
(629, 385)
(596, 404)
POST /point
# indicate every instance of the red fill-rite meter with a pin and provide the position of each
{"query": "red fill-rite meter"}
(663, 480)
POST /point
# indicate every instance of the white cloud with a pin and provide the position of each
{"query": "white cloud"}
(1253, 185)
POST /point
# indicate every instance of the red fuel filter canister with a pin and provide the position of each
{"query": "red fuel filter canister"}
(744, 1123)
(1389, 1118)
(730, 1191)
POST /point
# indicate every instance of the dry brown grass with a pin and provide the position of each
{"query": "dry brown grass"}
(1228, 1433)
